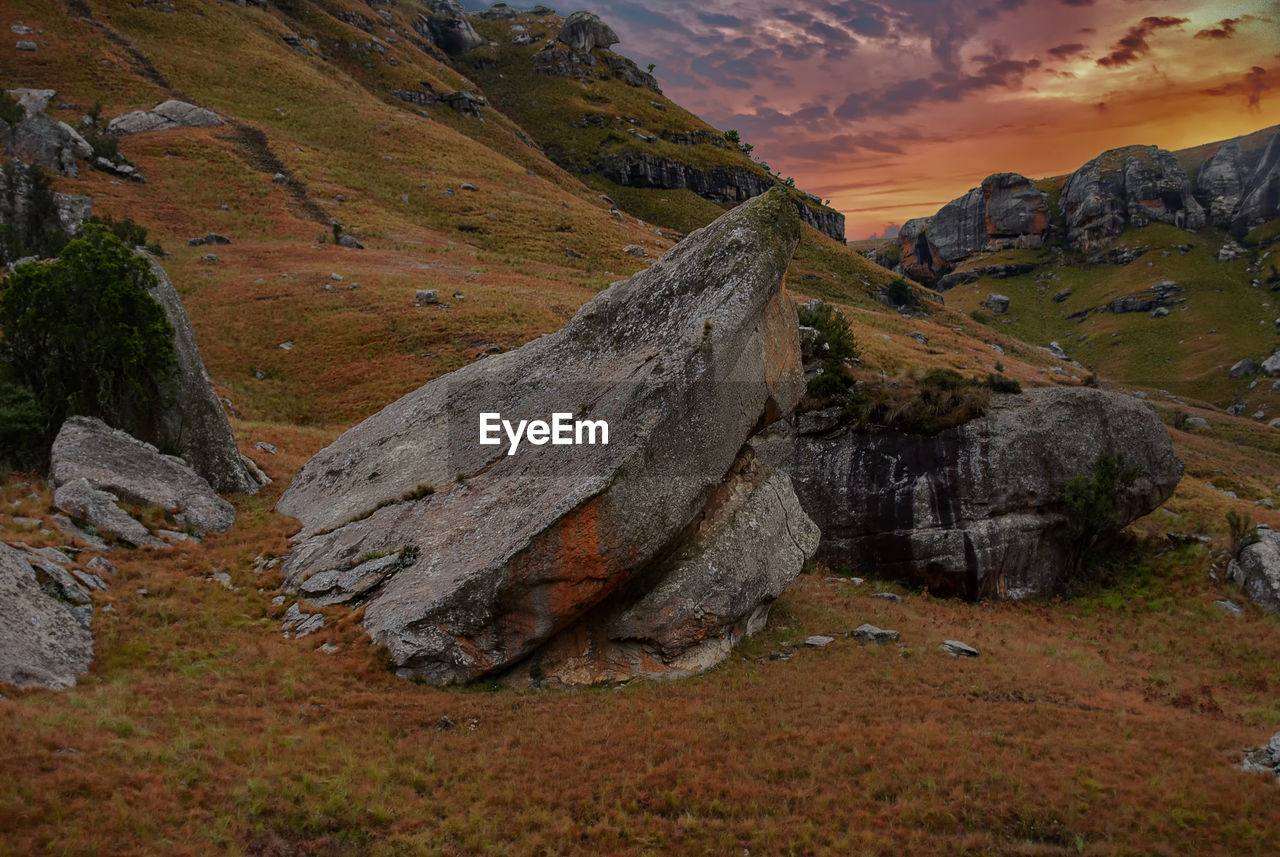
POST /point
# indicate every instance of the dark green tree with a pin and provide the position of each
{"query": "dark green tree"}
(1093, 507)
(82, 335)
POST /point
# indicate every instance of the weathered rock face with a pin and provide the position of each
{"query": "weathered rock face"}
(751, 542)
(196, 424)
(1257, 571)
(162, 117)
(640, 169)
(38, 139)
(1133, 186)
(448, 28)
(110, 460)
(1260, 197)
(1220, 181)
(19, 214)
(584, 31)
(42, 641)
(1006, 211)
(684, 361)
(83, 502)
(976, 510)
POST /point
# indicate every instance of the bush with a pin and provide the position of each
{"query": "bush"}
(835, 339)
(39, 233)
(130, 233)
(1242, 532)
(901, 293)
(83, 336)
(1002, 384)
(10, 110)
(21, 427)
(1092, 507)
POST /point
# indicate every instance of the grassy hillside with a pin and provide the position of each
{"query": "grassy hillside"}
(1106, 723)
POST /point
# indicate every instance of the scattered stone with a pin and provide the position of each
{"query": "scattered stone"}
(287, 345)
(100, 565)
(918, 337)
(887, 596)
(280, 178)
(467, 186)
(1243, 369)
(1229, 607)
(1264, 760)
(25, 46)
(634, 250)
(959, 649)
(819, 641)
(269, 449)
(301, 624)
(868, 633)
(1062, 296)
(426, 296)
(998, 304)
(1160, 312)
(349, 241)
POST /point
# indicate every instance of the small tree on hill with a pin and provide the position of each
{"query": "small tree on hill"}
(1242, 532)
(1092, 507)
(83, 336)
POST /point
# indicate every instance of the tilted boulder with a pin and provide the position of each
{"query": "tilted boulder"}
(976, 510)
(44, 637)
(447, 27)
(51, 144)
(584, 31)
(1257, 570)
(496, 553)
(195, 423)
(110, 460)
(1131, 186)
(163, 117)
(100, 509)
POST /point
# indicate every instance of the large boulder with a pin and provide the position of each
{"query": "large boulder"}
(495, 554)
(44, 626)
(976, 510)
(162, 117)
(743, 554)
(1257, 570)
(1131, 186)
(110, 460)
(53, 145)
(1017, 213)
(447, 27)
(584, 31)
(195, 423)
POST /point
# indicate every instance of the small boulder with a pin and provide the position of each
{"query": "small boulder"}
(44, 637)
(998, 304)
(1243, 369)
(426, 296)
(1257, 571)
(959, 649)
(81, 501)
(111, 461)
(868, 633)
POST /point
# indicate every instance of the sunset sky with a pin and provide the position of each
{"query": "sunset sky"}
(890, 109)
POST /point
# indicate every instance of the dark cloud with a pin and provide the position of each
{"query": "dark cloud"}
(940, 87)
(1134, 43)
(1251, 86)
(1076, 2)
(718, 20)
(1067, 51)
(1227, 27)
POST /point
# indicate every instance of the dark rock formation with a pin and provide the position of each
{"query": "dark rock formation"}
(1260, 196)
(26, 220)
(163, 117)
(110, 460)
(1220, 182)
(466, 102)
(44, 622)
(729, 185)
(38, 139)
(496, 554)
(195, 423)
(1006, 211)
(1257, 571)
(584, 31)
(977, 510)
(1132, 186)
(447, 27)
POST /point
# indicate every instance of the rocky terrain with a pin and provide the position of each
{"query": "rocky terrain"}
(243, 634)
